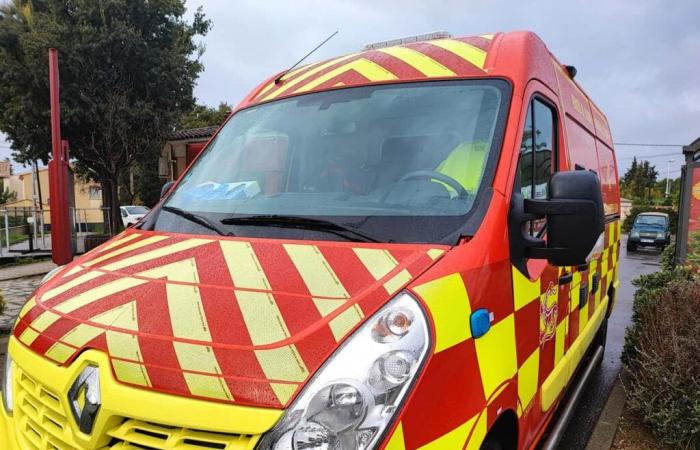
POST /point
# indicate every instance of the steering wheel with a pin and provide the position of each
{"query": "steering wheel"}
(433, 175)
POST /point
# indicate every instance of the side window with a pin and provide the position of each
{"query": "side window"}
(537, 153)
(544, 147)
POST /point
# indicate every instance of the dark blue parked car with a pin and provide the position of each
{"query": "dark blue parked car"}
(650, 229)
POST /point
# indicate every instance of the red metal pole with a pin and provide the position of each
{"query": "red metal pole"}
(61, 246)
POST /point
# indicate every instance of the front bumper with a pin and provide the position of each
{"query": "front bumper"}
(651, 242)
(128, 417)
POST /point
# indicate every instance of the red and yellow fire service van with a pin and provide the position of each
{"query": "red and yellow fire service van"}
(410, 247)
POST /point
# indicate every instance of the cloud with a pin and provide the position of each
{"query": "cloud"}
(638, 60)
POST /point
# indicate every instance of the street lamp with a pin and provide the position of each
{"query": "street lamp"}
(668, 177)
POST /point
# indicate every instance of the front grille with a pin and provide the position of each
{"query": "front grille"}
(647, 235)
(134, 434)
(39, 415)
(41, 419)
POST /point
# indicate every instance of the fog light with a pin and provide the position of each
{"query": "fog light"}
(391, 370)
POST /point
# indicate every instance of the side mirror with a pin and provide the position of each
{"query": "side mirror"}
(575, 221)
(166, 188)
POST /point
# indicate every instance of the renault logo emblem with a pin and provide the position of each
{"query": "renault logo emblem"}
(85, 399)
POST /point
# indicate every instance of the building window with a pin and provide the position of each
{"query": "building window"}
(95, 193)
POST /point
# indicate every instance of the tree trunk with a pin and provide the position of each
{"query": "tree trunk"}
(114, 212)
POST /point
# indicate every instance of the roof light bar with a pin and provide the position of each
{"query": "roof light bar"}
(409, 39)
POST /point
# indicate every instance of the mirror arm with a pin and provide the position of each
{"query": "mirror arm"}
(543, 208)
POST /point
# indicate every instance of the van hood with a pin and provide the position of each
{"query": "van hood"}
(244, 321)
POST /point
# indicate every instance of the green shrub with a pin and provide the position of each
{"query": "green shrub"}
(662, 356)
(637, 209)
(668, 258)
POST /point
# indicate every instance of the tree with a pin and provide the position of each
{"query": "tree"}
(128, 69)
(204, 116)
(639, 180)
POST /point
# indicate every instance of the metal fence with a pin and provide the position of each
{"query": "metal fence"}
(28, 230)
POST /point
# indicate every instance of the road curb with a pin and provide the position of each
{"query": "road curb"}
(606, 427)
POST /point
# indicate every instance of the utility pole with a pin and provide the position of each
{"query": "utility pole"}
(668, 177)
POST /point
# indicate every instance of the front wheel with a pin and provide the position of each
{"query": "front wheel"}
(602, 334)
(491, 445)
(631, 248)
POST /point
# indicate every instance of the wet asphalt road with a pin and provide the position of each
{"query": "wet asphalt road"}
(596, 392)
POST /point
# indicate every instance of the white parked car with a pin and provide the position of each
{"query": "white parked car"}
(132, 214)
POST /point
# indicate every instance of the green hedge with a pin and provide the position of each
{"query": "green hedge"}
(662, 354)
(637, 209)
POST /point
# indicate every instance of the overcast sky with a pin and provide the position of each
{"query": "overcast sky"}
(638, 60)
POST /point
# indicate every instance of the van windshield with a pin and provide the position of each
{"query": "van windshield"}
(394, 158)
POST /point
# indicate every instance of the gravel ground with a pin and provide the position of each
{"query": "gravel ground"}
(15, 293)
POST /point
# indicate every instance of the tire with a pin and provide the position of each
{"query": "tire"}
(491, 445)
(631, 248)
(602, 334)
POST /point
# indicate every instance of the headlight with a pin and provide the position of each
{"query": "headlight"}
(7, 384)
(634, 234)
(353, 398)
(660, 235)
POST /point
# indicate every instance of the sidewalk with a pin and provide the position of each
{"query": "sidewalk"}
(26, 270)
(16, 284)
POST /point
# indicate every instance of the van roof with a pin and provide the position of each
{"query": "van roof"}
(653, 214)
(518, 56)
(437, 58)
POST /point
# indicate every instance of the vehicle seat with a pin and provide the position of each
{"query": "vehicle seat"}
(465, 164)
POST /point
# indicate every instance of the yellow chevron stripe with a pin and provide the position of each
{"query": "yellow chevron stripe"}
(31, 303)
(201, 358)
(157, 253)
(422, 63)
(298, 81)
(282, 364)
(119, 240)
(131, 372)
(368, 69)
(321, 281)
(377, 261)
(283, 391)
(127, 248)
(121, 345)
(285, 77)
(197, 358)
(262, 317)
(315, 271)
(474, 55)
(207, 386)
(184, 302)
(243, 265)
(48, 295)
(97, 293)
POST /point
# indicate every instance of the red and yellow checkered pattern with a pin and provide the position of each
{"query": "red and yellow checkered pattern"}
(524, 361)
(240, 321)
(439, 59)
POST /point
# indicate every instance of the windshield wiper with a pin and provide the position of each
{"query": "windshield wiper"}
(304, 223)
(199, 220)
